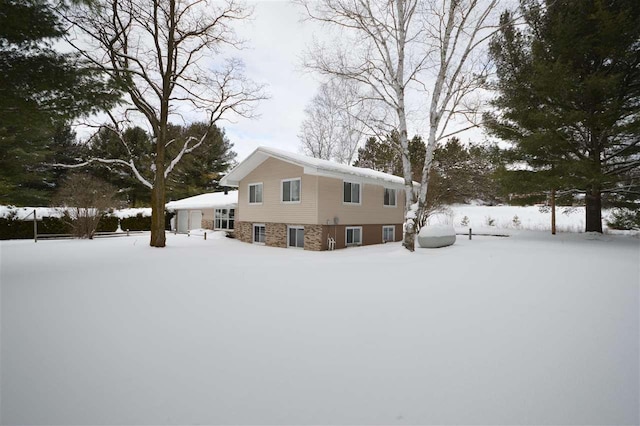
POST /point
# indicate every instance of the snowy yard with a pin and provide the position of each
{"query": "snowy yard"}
(519, 330)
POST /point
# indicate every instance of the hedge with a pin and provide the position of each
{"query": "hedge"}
(13, 229)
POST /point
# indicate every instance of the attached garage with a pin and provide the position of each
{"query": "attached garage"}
(216, 210)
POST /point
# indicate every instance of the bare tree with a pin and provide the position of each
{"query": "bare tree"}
(160, 54)
(457, 32)
(373, 53)
(334, 124)
(85, 199)
(402, 47)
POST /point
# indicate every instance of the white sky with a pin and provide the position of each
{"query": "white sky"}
(277, 38)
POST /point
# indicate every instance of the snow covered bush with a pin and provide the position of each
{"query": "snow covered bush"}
(624, 219)
(516, 221)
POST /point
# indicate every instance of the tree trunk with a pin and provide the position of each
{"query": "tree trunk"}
(158, 238)
(553, 212)
(593, 210)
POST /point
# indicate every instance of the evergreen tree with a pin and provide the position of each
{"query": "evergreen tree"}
(459, 174)
(41, 91)
(196, 173)
(569, 98)
(385, 156)
(467, 173)
(26, 177)
(107, 144)
(201, 171)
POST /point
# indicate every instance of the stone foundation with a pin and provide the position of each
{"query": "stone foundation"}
(315, 236)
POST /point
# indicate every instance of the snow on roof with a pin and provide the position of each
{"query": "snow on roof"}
(312, 166)
(205, 201)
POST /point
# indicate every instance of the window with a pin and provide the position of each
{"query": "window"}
(351, 193)
(255, 193)
(390, 197)
(354, 236)
(224, 219)
(291, 190)
(296, 236)
(388, 233)
(259, 233)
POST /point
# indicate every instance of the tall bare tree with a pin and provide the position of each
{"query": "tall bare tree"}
(398, 48)
(334, 124)
(373, 53)
(162, 54)
(457, 40)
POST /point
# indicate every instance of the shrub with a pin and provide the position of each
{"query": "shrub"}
(13, 229)
(624, 219)
(464, 221)
(86, 199)
(516, 221)
(490, 221)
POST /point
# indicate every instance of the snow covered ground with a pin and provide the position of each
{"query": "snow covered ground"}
(519, 330)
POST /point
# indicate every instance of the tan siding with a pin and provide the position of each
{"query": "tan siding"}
(370, 211)
(207, 214)
(271, 173)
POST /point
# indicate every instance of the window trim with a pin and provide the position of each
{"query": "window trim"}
(393, 229)
(296, 227)
(346, 231)
(351, 203)
(395, 197)
(253, 233)
(282, 191)
(226, 217)
(255, 203)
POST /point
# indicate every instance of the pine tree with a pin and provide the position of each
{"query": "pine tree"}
(198, 171)
(569, 98)
(40, 91)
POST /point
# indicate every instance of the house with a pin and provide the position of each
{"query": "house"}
(291, 200)
(215, 210)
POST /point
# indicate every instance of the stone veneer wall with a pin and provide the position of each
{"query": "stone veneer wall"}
(315, 236)
(243, 231)
(276, 235)
(207, 224)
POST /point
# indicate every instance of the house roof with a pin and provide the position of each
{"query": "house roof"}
(205, 201)
(312, 166)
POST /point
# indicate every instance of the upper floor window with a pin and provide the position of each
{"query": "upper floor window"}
(255, 193)
(390, 197)
(351, 193)
(291, 190)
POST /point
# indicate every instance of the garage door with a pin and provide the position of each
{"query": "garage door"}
(183, 220)
(196, 219)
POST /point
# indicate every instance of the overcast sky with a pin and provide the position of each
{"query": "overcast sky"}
(276, 38)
